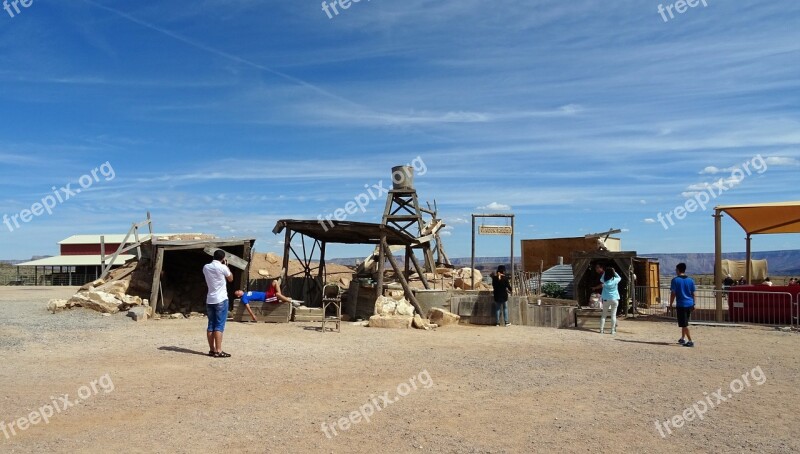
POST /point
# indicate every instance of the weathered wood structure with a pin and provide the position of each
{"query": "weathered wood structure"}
(178, 265)
(634, 271)
(306, 240)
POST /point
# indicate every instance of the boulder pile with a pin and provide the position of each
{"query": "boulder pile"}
(108, 296)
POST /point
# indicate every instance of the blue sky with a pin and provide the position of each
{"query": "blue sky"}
(224, 116)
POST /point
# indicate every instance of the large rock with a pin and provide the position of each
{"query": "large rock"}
(93, 284)
(404, 308)
(464, 276)
(116, 288)
(57, 305)
(390, 321)
(395, 304)
(420, 323)
(442, 317)
(139, 313)
(385, 306)
(100, 302)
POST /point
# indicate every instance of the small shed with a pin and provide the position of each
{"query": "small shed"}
(640, 276)
(175, 269)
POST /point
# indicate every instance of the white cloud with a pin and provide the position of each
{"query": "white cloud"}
(649, 221)
(643, 202)
(712, 170)
(494, 206)
(781, 161)
(697, 187)
(689, 194)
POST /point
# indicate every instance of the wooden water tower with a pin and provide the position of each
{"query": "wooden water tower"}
(404, 213)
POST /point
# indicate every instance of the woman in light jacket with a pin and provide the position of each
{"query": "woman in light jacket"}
(610, 280)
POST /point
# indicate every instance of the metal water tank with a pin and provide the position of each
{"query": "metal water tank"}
(403, 177)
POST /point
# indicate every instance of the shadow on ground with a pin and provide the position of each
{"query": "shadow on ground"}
(182, 350)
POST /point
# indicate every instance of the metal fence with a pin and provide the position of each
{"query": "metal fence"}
(778, 308)
(24, 275)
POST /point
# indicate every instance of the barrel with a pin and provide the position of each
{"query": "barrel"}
(403, 177)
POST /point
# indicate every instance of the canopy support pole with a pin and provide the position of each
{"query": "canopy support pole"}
(718, 263)
(749, 263)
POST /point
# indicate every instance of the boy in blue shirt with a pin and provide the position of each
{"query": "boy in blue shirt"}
(682, 290)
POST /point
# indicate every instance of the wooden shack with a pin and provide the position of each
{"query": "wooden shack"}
(176, 268)
(640, 277)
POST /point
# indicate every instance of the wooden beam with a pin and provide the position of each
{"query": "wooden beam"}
(420, 271)
(409, 294)
(154, 291)
(114, 257)
(138, 243)
(233, 260)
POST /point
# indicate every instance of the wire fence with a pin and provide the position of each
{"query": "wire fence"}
(26, 275)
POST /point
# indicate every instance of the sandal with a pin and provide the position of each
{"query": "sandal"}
(212, 353)
(222, 355)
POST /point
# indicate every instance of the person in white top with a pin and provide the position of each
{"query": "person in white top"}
(217, 276)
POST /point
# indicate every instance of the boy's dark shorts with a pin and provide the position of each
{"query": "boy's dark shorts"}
(684, 313)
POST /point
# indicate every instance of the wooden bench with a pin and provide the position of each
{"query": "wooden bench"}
(265, 312)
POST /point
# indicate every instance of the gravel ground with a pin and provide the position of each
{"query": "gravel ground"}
(474, 389)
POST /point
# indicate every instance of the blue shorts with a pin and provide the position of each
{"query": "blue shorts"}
(217, 316)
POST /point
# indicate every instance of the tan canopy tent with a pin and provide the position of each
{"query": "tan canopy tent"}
(755, 219)
(738, 268)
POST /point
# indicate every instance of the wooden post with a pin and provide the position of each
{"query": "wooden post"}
(472, 257)
(102, 251)
(408, 262)
(512, 252)
(381, 263)
(138, 243)
(322, 272)
(154, 291)
(287, 246)
(244, 282)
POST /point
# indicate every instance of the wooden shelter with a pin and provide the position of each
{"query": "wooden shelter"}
(314, 236)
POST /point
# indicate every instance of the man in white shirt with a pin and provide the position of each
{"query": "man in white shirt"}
(217, 276)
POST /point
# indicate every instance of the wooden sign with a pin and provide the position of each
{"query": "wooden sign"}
(495, 230)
